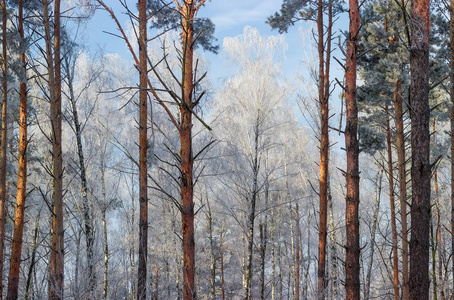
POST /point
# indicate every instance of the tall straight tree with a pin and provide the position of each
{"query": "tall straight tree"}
(292, 10)
(3, 141)
(420, 143)
(392, 206)
(188, 9)
(143, 197)
(56, 278)
(16, 249)
(352, 267)
(451, 94)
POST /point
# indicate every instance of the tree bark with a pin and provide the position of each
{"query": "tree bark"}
(56, 278)
(143, 126)
(3, 145)
(401, 160)
(323, 90)
(392, 206)
(420, 142)
(451, 95)
(352, 266)
(188, 10)
(19, 219)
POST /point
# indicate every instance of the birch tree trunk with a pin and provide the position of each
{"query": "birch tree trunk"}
(374, 229)
(87, 211)
(401, 160)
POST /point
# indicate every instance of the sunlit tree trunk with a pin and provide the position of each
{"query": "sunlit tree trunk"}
(420, 142)
(188, 10)
(352, 266)
(19, 219)
(323, 95)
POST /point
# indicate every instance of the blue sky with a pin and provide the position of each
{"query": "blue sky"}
(230, 18)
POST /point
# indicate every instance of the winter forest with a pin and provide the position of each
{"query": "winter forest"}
(137, 176)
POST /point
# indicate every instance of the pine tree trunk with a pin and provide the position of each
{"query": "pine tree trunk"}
(420, 142)
(186, 155)
(56, 278)
(143, 126)
(19, 219)
(352, 266)
(156, 282)
(392, 206)
(324, 156)
(3, 145)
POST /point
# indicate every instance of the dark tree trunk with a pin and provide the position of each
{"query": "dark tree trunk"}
(143, 197)
(420, 142)
(352, 266)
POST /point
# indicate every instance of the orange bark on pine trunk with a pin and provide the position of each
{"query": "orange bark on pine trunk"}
(323, 96)
(56, 278)
(3, 146)
(393, 206)
(187, 159)
(352, 266)
(19, 219)
(143, 196)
